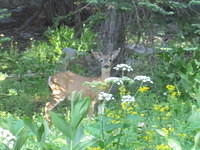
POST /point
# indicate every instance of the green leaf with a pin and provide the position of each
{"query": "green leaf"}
(79, 108)
(21, 138)
(111, 127)
(29, 123)
(84, 145)
(155, 8)
(194, 2)
(94, 130)
(196, 142)
(61, 124)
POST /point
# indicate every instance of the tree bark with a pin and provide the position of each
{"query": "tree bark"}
(112, 33)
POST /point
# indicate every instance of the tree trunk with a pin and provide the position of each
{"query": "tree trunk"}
(54, 8)
(112, 33)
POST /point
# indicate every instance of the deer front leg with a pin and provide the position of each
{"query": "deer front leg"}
(91, 111)
(51, 105)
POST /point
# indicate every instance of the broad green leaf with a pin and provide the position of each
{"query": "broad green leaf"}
(85, 144)
(28, 122)
(196, 142)
(195, 116)
(61, 124)
(79, 108)
(21, 138)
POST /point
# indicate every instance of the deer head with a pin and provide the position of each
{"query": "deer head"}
(106, 61)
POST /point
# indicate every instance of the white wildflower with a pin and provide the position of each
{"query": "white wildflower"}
(7, 138)
(3, 76)
(127, 98)
(141, 124)
(105, 96)
(127, 79)
(116, 80)
(123, 67)
(143, 79)
(164, 93)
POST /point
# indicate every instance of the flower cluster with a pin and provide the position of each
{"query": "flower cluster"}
(148, 136)
(123, 67)
(123, 90)
(165, 131)
(143, 79)
(116, 80)
(7, 138)
(115, 115)
(129, 108)
(127, 98)
(160, 108)
(105, 96)
(172, 90)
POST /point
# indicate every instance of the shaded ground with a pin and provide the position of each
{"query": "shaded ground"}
(10, 27)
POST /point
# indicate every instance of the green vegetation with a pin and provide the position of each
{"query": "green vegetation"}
(156, 106)
(29, 70)
(158, 115)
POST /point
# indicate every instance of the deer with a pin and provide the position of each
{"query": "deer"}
(62, 84)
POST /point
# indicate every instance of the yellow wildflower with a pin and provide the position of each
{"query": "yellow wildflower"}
(142, 115)
(115, 121)
(124, 106)
(156, 107)
(129, 108)
(166, 108)
(123, 91)
(161, 108)
(143, 89)
(167, 131)
(175, 94)
(133, 112)
(95, 148)
(170, 87)
(149, 136)
(183, 135)
(163, 147)
(168, 114)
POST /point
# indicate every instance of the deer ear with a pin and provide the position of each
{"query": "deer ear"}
(115, 53)
(97, 55)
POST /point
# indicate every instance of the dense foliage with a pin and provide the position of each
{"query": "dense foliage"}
(156, 104)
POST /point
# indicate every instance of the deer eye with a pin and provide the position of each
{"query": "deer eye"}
(101, 60)
(110, 60)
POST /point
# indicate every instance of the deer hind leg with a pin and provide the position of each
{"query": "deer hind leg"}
(91, 109)
(57, 97)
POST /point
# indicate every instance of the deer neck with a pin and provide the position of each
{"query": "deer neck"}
(105, 73)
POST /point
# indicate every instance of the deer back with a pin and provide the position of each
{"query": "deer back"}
(65, 83)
